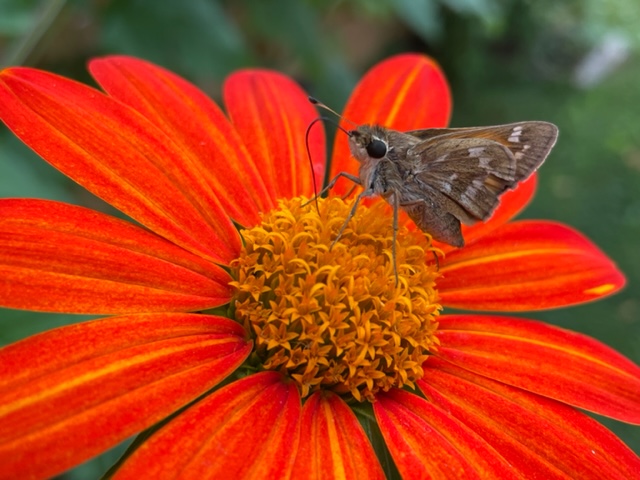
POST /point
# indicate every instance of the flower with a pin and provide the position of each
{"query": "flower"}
(270, 385)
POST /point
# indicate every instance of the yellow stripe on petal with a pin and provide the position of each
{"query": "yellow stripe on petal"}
(333, 443)
(601, 290)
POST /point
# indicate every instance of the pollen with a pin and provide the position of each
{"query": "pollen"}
(329, 315)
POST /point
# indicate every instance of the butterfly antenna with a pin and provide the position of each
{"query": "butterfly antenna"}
(313, 173)
(306, 141)
(317, 102)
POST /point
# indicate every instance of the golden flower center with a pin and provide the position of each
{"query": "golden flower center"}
(331, 316)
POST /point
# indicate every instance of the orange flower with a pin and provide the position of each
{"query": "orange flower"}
(313, 337)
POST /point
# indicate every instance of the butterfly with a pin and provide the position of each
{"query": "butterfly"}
(445, 177)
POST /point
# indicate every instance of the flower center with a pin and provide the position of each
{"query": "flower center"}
(331, 317)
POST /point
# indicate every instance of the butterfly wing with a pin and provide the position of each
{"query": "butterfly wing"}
(434, 214)
(470, 173)
(529, 142)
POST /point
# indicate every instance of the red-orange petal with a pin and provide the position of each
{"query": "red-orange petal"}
(207, 142)
(272, 113)
(527, 265)
(333, 443)
(62, 258)
(426, 442)
(246, 430)
(404, 92)
(117, 154)
(539, 437)
(71, 393)
(550, 361)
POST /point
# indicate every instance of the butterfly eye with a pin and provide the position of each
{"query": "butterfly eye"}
(376, 148)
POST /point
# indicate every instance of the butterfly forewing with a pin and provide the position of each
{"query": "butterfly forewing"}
(529, 142)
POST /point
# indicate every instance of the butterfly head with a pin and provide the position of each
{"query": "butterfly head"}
(368, 143)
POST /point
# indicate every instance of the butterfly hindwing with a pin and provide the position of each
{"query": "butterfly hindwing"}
(472, 172)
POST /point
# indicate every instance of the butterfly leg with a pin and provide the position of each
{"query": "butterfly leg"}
(331, 184)
(349, 217)
(396, 207)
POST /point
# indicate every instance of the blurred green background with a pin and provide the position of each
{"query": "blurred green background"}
(575, 63)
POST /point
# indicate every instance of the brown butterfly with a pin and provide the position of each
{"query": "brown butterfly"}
(442, 177)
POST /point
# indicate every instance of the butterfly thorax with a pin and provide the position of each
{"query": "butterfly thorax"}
(383, 169)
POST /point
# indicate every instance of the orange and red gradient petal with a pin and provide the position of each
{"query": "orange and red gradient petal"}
(550, 361)
(57, 257)
(539, 437)
(332, 443)
(272, 113)
(207, 142)
(71, 393)
(427, 442)
(527, 265)
(246, 430)
(117, 154)
(405, 92)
